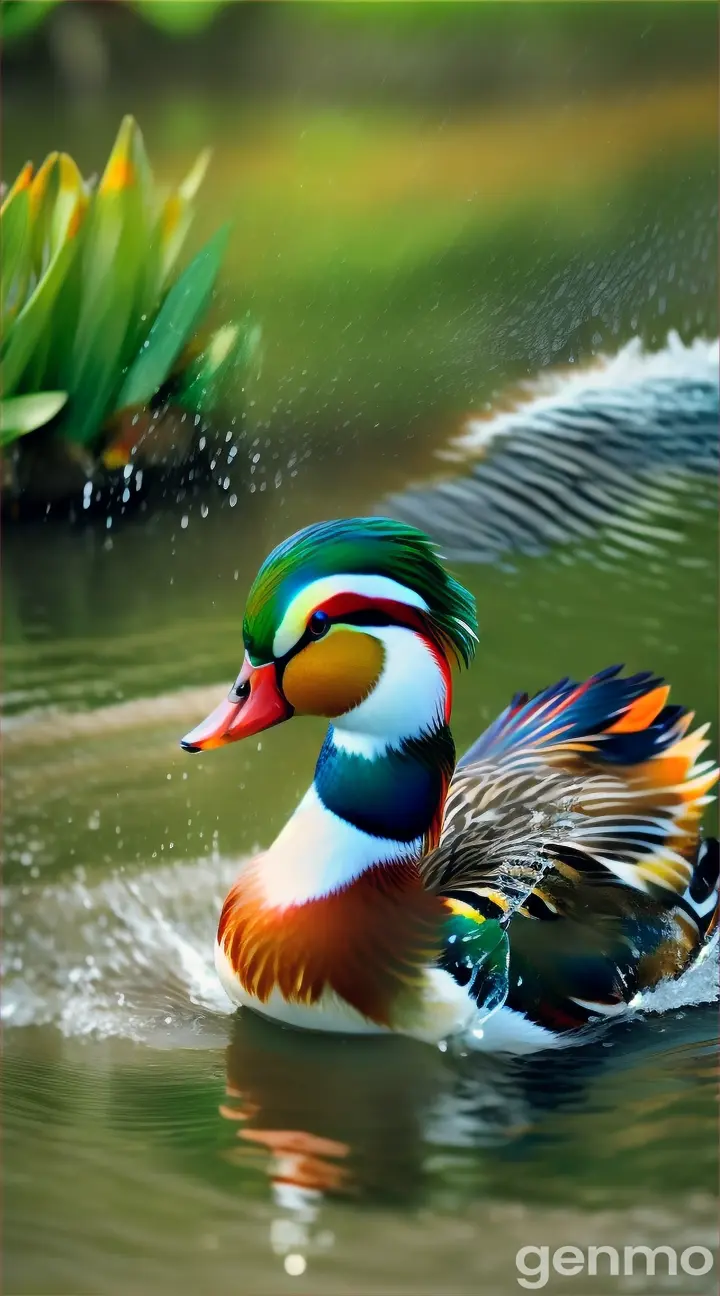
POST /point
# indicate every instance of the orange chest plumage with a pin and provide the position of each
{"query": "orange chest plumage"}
(368, 942)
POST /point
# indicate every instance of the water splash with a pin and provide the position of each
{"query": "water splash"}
(131, 956)
(699, 985)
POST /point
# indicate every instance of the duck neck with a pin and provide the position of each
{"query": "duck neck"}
(388, 793)
(380, 782)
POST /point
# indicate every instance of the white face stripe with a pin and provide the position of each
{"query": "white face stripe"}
(293, 624)
(409, 697)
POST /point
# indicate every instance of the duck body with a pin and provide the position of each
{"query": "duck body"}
(542, 883)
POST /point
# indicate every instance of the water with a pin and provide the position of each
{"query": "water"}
(404, 266)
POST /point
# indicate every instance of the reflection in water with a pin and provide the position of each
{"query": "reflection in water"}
(382, 1156)
(337, 1118)
(326, 1116)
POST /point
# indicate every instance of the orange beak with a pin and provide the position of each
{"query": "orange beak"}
(254, 703)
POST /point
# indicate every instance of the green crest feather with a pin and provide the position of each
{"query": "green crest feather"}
(369, 546)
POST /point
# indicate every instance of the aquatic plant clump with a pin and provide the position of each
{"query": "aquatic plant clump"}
(98, 328)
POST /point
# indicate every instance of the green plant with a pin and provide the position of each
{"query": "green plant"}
(95, 320)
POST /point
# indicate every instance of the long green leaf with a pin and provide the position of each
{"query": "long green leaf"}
(14, 237)
(113, 266)
(33, 318)
(22, 414)
(116, 203)
(65, 202)
(42, 194)
(177, 214)
(175, 323)
(92, 393)
(57, 201)
(224, 362)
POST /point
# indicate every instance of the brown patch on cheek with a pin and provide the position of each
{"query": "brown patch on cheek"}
(333, 675)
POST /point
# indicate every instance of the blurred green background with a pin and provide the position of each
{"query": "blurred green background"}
(424, 196)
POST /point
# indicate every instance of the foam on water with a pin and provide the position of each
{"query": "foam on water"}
(699, 985)
(131, 956)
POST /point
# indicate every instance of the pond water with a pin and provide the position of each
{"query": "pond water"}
(405, 266)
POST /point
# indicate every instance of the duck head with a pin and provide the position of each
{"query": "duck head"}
(355, 620)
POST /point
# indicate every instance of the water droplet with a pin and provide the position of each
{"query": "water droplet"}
(184, 521)
(295, 1265)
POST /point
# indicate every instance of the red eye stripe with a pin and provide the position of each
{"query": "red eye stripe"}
(343, 605)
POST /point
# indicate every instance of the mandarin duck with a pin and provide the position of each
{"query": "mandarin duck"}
(543, 882)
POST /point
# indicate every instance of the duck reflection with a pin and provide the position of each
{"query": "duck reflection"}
(399, 1123)
(337, 1114)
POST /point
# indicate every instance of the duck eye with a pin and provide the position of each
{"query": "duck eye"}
(319, 624)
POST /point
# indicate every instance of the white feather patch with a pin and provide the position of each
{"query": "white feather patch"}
(409, 697)
(317, 853)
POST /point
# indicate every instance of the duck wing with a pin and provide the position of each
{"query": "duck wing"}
(596, 786)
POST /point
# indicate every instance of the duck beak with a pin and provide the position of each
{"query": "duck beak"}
(240, 717)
